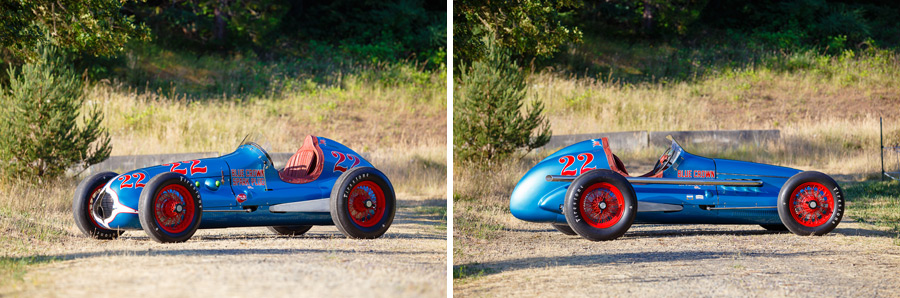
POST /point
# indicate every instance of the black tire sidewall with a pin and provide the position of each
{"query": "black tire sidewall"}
(146, 211)
(340, 195)
(290, 230)
(774, 227)
(82, 214)
(573, 214)
(784, 200)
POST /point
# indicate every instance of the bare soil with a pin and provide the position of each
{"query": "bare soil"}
(528, 259)
(408, 261)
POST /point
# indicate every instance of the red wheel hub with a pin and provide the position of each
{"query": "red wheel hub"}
(90, 205)
(811, 204)
(366, 204)
(602, 205)
(174, 208)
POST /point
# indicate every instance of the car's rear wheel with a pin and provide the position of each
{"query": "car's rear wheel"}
(363, 203)
(564, 228)
(170, 208)
(810, 203)
(600, 205)
(290, 230)
(87, 198)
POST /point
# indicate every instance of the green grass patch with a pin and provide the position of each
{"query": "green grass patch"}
(471, 271)
(469, 224)
(437, 212)
(875, 202)
(246, 77)
(14, 268)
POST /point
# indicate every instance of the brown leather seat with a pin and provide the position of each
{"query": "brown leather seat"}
(617, 166)
(305, 165)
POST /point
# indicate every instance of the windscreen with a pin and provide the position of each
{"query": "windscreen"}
(257, 140)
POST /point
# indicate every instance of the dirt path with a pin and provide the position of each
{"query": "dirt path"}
(409, 261)
(856, 260)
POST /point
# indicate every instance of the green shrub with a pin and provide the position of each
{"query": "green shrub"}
(39, 135)
(488, 118)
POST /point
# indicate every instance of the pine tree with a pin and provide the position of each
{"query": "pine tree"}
(39, 111)
(488, 119)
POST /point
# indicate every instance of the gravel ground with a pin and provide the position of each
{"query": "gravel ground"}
(408, 261)
(527, 259)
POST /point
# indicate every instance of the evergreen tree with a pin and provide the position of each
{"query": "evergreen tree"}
(488, 118)
(39, 111)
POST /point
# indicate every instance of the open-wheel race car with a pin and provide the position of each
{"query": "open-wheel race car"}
(584, 189)
(324, 183)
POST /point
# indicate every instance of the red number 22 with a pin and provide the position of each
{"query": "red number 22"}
(568, 160)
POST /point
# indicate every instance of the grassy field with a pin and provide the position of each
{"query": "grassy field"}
(395, 115)
(827, 108)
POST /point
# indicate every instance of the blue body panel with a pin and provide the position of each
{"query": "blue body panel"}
(246, 171)
(537, 200)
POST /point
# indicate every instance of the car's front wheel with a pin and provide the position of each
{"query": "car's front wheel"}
(600, 205)
(170, 208)
(810, 204)
(363, 203)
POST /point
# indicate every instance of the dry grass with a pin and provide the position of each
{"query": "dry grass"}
(827, 111)
(32, 217)
(400, 128)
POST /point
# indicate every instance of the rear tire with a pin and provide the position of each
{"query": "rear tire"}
(85, 195)
(564, 228)
(810, 204)
(290, 230)
(363, 203)
(600, 205)
(170, 208)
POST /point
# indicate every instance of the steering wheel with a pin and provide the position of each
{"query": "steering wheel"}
(664, 160)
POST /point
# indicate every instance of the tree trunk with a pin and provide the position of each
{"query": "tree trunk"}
(219, 29)
(647, 19)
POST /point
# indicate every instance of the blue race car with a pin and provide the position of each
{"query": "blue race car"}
(324, 183)
(584, 189)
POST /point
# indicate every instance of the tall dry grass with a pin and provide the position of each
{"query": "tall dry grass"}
(827, 107)
(401, 128)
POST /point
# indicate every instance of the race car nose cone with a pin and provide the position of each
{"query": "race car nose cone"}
(602, 205)
(812, 204)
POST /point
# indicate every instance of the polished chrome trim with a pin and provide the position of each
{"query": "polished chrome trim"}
(752, 175)
(241, 211)
(644, 180)
(318, 205)
(741, 208)
(658, 207)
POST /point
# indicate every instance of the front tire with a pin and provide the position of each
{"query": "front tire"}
(86, 195)
(290, 230)
(810, 204)
(363, 203)
(170, 208)
(600, 205)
